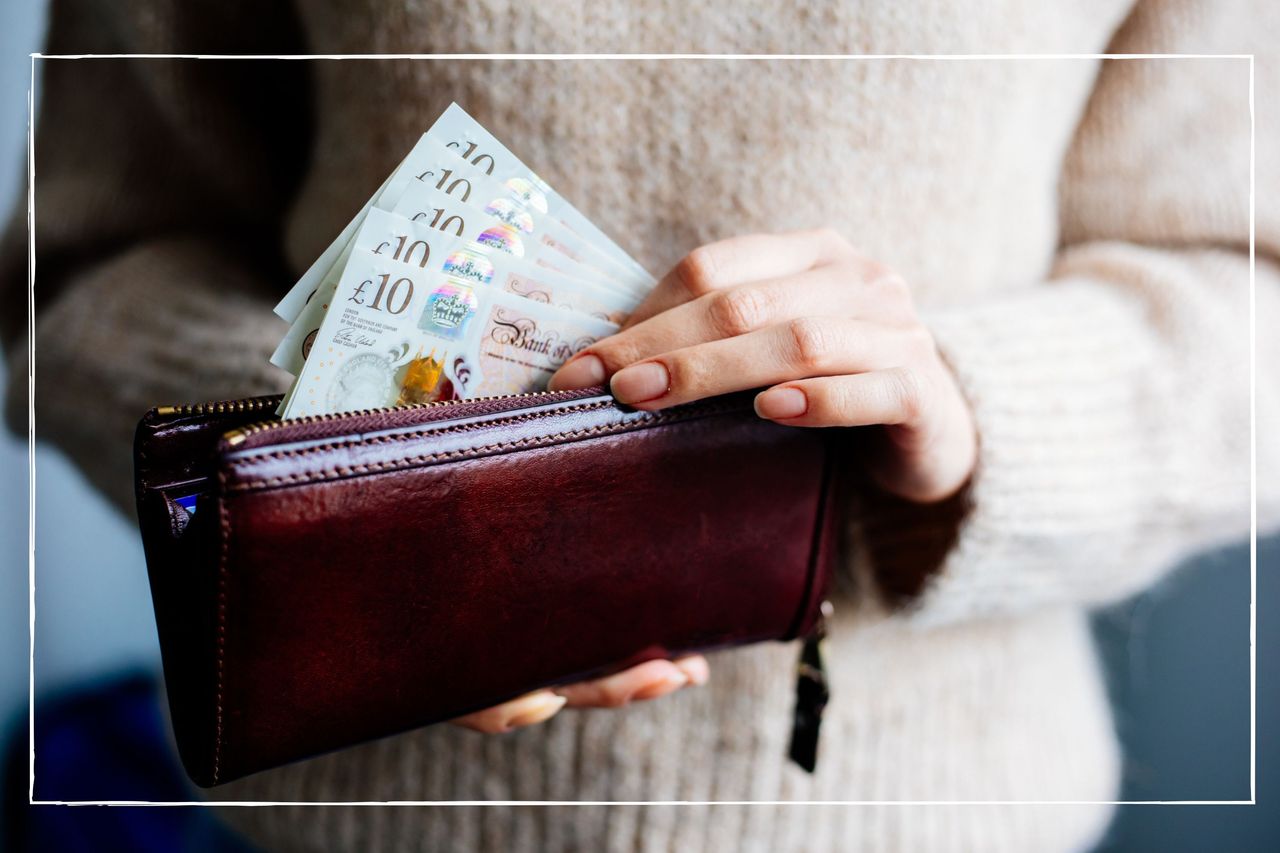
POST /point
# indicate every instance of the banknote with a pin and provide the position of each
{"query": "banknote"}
(455, 203)
(298, 296)
(434, 184)
(517, 267)
(457, 133)
(465, 274)
(400, 334)
(525, 226)
(291, 352)
(479, 147)
(415, 240)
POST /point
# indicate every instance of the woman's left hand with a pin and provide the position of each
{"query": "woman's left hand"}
(834, 333)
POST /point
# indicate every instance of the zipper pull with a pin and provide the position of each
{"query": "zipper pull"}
(812, 695)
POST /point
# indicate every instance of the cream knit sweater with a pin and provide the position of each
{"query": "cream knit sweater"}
(1075, 231)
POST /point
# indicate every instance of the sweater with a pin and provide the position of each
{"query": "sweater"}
(1075, 232)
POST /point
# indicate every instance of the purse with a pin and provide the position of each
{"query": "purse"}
(316, 581)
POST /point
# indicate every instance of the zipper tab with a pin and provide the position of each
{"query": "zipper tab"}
(812, 695)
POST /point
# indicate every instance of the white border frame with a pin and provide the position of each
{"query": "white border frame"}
(1253, 445)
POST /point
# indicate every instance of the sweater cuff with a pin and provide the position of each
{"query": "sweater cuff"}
(1105, 445)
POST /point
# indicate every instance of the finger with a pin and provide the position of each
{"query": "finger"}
(890, 396)
(696, 668)
(647, 681)
(739, 260)
(798, 349)
(527, 710)
(721, 314)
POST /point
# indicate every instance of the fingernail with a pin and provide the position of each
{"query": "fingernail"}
(539, 710)
(641, 382)
(581, 372)
(673, 681)
(698, 672)
(781, 403)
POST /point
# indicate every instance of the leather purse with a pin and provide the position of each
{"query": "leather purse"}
(324, 581)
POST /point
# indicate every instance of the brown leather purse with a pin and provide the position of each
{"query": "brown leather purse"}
(316, 580)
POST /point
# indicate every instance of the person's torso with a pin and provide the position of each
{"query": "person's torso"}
(945, 169)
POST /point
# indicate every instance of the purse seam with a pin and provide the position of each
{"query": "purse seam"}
(338, 472)
(443, 428)
(819, 545)
(220, 680)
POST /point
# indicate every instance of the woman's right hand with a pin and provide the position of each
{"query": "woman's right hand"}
(648, 680)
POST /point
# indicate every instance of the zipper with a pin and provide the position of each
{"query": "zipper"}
(813, 692)
(219, 407)
(237, 437)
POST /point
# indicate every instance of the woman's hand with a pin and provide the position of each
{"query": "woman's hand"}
(646, 681)
(834, 333)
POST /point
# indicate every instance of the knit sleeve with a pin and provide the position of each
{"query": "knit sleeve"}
(160, 188)
(1113, 400)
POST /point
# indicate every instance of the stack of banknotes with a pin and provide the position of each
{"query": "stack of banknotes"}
(465, 275)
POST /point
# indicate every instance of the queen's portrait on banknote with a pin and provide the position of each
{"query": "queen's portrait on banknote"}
(1016, 291)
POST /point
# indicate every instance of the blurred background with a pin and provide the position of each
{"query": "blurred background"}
(1177, 657)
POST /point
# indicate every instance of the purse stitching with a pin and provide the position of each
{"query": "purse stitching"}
(441, 430)
(382, 467)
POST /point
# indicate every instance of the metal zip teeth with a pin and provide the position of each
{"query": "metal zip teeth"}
(218, 407)
(237, 436)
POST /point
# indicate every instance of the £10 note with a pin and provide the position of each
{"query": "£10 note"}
(460, 132)
(458, 135)
(485, 264)
(400, 334)
(524, 228)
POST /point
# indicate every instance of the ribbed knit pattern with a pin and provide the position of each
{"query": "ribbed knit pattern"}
(1074, 232)
(921, 703)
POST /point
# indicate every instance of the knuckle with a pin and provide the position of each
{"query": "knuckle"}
(738, 311)
(697, 271)
(616, 352)
(920, 342)
(891, 287)
(810, 342)
(839, 402)
(687, 374)
(907, 391)
(896, 285)
(831, 237)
